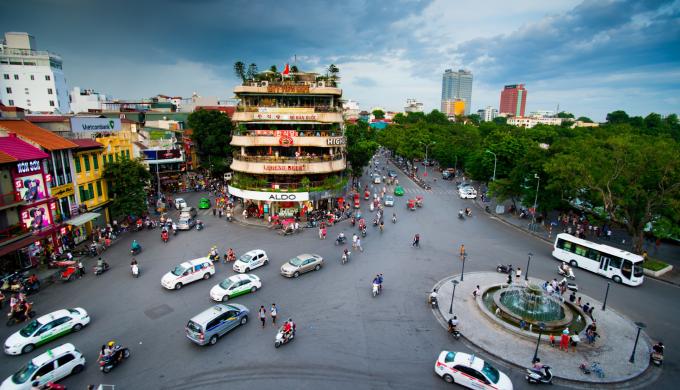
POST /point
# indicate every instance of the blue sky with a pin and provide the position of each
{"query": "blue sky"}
(590, 57)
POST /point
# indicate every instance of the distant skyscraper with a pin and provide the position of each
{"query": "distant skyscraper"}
(454, 107)
(513, 100)
(488, 114)
(457, 85)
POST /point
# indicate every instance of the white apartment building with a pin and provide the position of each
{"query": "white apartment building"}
(29, 78)
(528, 123)
(412, 105)
(82, 100)
(351, 110)
(488, 114)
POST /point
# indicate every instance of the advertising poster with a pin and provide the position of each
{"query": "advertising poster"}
(31, 188)
(36, 218)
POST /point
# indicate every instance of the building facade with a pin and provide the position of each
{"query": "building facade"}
(531, 122)
(29, 78)
(290, 147)
(457, 85)
(488, 114)
(91, 193)
(454, 107)
(513, 100)
(412, 105)
(85, 100)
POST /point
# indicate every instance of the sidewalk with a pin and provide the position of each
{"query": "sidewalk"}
(666, 252)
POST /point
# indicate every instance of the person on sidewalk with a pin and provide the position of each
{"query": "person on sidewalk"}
(273, 311)
(564, 340)
(263, 315)
(476, 292)
(518, 273)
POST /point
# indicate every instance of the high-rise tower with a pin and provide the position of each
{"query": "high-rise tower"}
(457, 85)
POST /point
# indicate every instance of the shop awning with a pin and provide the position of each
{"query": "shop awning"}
(82, 218)
(16, 245)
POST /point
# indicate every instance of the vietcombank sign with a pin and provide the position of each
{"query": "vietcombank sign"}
(95, 124)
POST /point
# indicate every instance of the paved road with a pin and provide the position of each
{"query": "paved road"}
(345, 336)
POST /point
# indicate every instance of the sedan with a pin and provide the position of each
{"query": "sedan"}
(180, 203)
(470, 371)
(467, 193)
(251, 260)
(392, 174)
(234, 286)
(185, 223)
(389, 201)
(301, 264)
(376, 179)
(399, 191)
(45, 329)
(204, 203)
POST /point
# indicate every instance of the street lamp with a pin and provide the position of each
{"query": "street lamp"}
(533, 217)
(541, 328)
(455, 283)
(495, 160)
(640, 326)
(526, 273)
(463, 271)
(426, 160)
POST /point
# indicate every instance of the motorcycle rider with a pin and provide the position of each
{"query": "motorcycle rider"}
(537, 366)
(658, 348)
(394, 217)
(135, 246)
(214, 256)
(468, 212)
(453, 324)
(164, 235)
(460, 213)
(345, 255)
(341, 238)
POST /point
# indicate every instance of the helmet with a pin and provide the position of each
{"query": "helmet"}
(112, 343)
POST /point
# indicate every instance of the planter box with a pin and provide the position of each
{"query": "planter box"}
(658, 273)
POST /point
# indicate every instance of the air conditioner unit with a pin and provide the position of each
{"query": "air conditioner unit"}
(321, 84)
(264, 83)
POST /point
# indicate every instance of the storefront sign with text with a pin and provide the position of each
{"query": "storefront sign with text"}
(286, 168)
(269, 196)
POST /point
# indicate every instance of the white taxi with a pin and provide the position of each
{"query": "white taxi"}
(45, 329)
(234, 286)
(51, 366)
(467, 193)
(251, 260)
(470, 371)
(187, 272)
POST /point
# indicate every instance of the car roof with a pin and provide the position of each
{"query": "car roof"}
(254, 252)
(50, 354)
(465, 359)
(238, 277)
(179, 199)
(306, 255)
(53, 316)
(215, 310)
(193, 262)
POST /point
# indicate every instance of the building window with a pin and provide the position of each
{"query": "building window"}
(83, 194)
(26, 91)
(11, 102)
(90, 190)
(127, 153)
(76, 159)
(47, 77)
(8, 89)
(32, 77)
(99, 188)
(49, 91)
(86, 158)
(16, 77)
(51, 103)
(110, 158)
(95, 162)
(6, 76)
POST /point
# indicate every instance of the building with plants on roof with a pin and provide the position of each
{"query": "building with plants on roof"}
(289, 145)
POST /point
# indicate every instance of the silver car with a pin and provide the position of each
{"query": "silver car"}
(301, 264)
(210, 325)
(186, 223)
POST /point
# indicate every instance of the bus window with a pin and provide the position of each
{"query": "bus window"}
(565, 245)
(581, 251)
(593, 254)
(638, 271)
(615, 262)
(627, 269)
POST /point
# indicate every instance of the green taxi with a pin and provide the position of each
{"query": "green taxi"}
(204, 203)
(399, 191)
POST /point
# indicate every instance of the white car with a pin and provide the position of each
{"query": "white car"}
(389, 201)
(51, 366)
(470, 371)
(467, 193)
(45, 329)
(180, 203)
(376, 179)
(187, 272)
(234, 286)
(251, 260)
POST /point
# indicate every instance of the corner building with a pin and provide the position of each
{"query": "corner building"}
(289, 156)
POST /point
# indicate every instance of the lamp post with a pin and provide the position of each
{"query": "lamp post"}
(533, 215)
(526, 273)
(541, 328)
(495, 160)
(426, 147)
(453, 294)
(464, 257)
(640, 326)
(606, 294)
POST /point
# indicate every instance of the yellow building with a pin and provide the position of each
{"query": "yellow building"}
(91, 191)
(453, 107)
(116, 146)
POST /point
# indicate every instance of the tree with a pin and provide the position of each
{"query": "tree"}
(564, 114)
(360, 146)
(584, 119)
(294, 69)
(475, 119)
(239, 70)
(379, 114)
(273, 69)
(252, 71)
(127, 181)
(211, 133)
(500, 120)
(617, 117)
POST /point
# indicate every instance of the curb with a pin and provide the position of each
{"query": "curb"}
(646, 377)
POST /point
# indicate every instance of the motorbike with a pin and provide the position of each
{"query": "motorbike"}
(199, 226)
(461, 216)
(376, 289)
(215, 258)
(363, 232)
(568, 273)
(433, 301)
(656, 358)
(280, 339)
(54, 386)
(119, 354)
(345, 257)
(98, 270)
(135, 270)
(135, 251)
(14, 318)
(164, 237)
(394, 219)
(340, 240)
(504, 269)
(543, 376)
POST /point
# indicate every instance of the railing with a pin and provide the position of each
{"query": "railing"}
(300, 133)
(10, 198)
(27, 52)
(288, 160)
(241, 108)
(311, 186)
(13, 231)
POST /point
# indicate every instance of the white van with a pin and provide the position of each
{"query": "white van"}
(51, 366)
(251, 260)
(187, 272)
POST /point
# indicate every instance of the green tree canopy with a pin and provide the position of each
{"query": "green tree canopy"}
(251, 74)
(239, 70)
(361, 146)
(564, 114)
(617, 117)
(379, 114)
(127, 181)
(584, 119)
(211, 134)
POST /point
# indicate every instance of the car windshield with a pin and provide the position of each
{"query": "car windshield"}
(184, 220)
(24, 374)
(637, 270)
(245, 258)
(226, 284)
(194, 327)
(490, 372)
(296, 261)
(30, 328)
(179, 200)
(178, 271)
(389, 198)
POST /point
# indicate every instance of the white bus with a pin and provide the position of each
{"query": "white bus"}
(616, 264)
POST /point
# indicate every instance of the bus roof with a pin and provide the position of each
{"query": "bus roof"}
(601, 247)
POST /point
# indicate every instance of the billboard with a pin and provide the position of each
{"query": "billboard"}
(80, 124)
(31, 187)
(36, 218)
(165, 154)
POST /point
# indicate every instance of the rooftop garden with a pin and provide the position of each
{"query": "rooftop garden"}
(288, 76)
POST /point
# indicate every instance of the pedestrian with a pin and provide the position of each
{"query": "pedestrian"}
(323, 232)
(273, 311)
(81, 269)
(590, 312)
(263, 315)
(509, 278)
(359, 244)
(522, 324)
(220, 213)
(462, 251)
(215, 211)
(552, 340)
(564, 340)
(320, 233)
(609, 234)
(2, 300)
(578, 302)
(518, 273)
(572, 297)
(416, 241)
(475, 293)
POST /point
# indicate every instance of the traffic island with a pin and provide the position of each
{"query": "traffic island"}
(504, 334)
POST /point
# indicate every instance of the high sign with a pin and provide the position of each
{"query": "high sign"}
(269, 196)
(335, 141)
(79, 124)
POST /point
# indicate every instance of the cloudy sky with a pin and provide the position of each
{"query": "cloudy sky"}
(589, 56)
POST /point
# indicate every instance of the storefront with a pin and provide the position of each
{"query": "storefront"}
(79, 228)
(286, 204)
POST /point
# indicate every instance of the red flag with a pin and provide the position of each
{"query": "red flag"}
(286, 70)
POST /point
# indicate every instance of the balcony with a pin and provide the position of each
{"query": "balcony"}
(271, 140)
(14, 233)
(284, 117)
(288, 165)
(10, 199)
(333, 183)
(292, 88)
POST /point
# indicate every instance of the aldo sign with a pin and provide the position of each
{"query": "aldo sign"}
(269, 196)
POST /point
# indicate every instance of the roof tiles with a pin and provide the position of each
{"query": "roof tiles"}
(36, 134)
